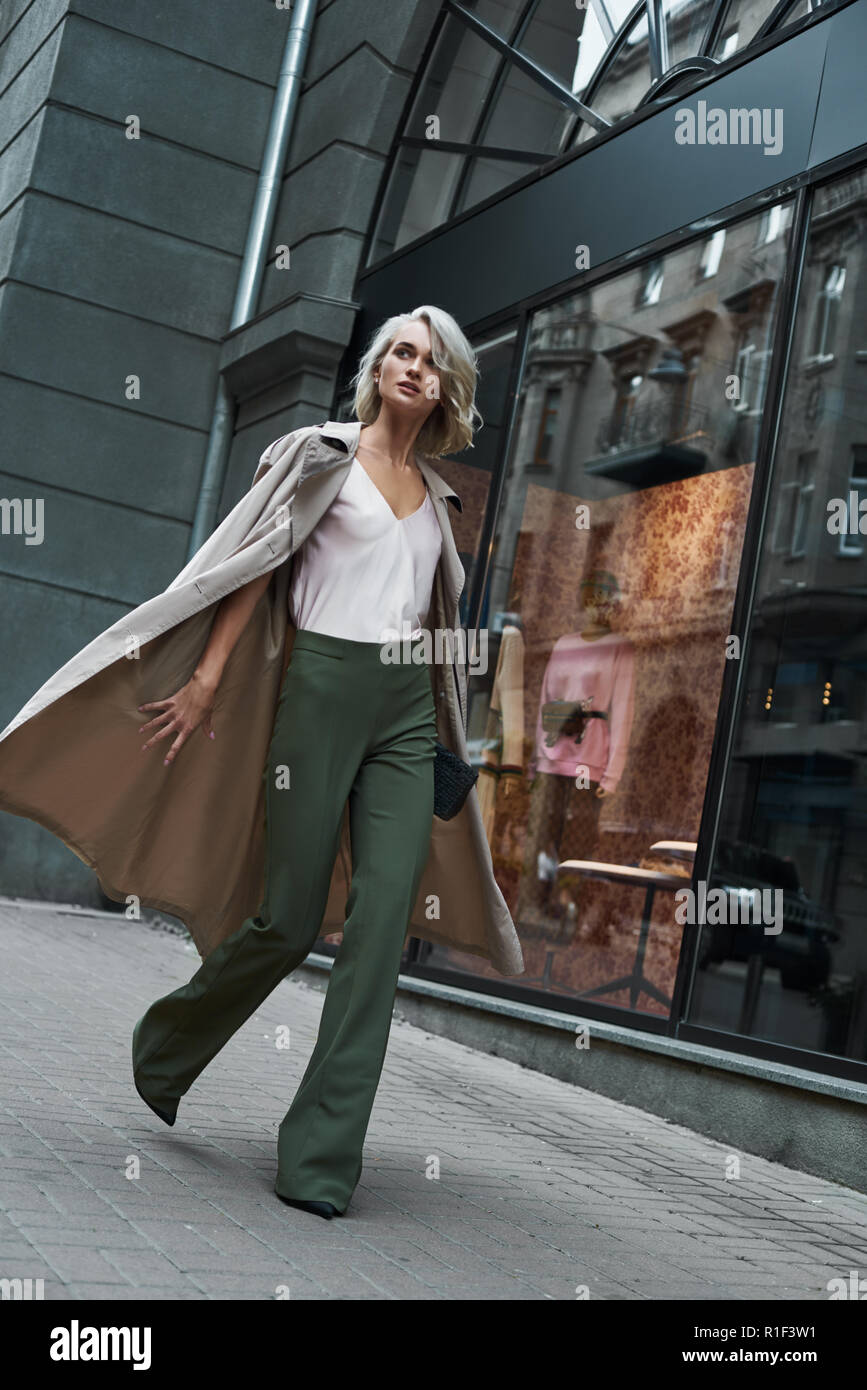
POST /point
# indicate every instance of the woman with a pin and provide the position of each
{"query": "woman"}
(348, 724)
(363, 519)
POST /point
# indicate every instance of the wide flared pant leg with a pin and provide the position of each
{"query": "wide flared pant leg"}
(320, 734)
(320, 1140)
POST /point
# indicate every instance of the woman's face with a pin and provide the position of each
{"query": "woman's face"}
(408, 379)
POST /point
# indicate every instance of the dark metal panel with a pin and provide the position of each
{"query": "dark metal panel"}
(841, 118)
(623, 193)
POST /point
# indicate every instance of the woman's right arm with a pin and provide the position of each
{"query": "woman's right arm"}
(193, 704)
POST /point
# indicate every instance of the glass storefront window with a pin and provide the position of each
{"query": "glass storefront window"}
(793, 826)
(608, 600)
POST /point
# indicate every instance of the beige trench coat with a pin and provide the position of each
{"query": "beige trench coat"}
(189, 839)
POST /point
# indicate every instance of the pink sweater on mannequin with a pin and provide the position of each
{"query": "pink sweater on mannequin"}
(602, 670)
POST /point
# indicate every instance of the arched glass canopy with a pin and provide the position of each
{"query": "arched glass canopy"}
(511, 84)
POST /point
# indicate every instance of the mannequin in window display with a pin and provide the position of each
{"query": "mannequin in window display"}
(582, 734)
(503, 746)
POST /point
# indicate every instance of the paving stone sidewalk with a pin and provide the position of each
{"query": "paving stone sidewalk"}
(482, 1180)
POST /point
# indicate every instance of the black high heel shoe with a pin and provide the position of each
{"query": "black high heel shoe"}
(163, 1114)
(318, 1208)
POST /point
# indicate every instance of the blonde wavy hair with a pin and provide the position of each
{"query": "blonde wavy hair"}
(450, 426)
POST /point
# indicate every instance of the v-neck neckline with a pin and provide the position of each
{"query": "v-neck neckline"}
(380, 493)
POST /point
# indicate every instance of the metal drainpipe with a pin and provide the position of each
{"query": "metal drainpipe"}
(253, 263)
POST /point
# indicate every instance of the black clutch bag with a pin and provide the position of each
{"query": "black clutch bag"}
(453, 778)
(453, 782)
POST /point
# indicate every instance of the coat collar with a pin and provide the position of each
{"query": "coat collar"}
(335, 439)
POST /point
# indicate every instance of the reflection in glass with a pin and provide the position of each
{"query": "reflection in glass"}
(455, 85)
(420, 191)
(525, 116)
(686, 23)
(500, 15)
(801, 9)
(487, 177)
(628, 76)
(794, 815)
(712, 253)
(743, 19)
(470, 473)
(422, 182)
(560, 38)
(608, 601)
(773, 222)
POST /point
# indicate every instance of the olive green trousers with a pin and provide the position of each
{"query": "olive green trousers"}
(347, 726)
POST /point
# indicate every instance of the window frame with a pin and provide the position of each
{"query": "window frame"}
(773, 30)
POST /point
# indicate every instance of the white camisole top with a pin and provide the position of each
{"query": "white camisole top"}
(362, 571)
